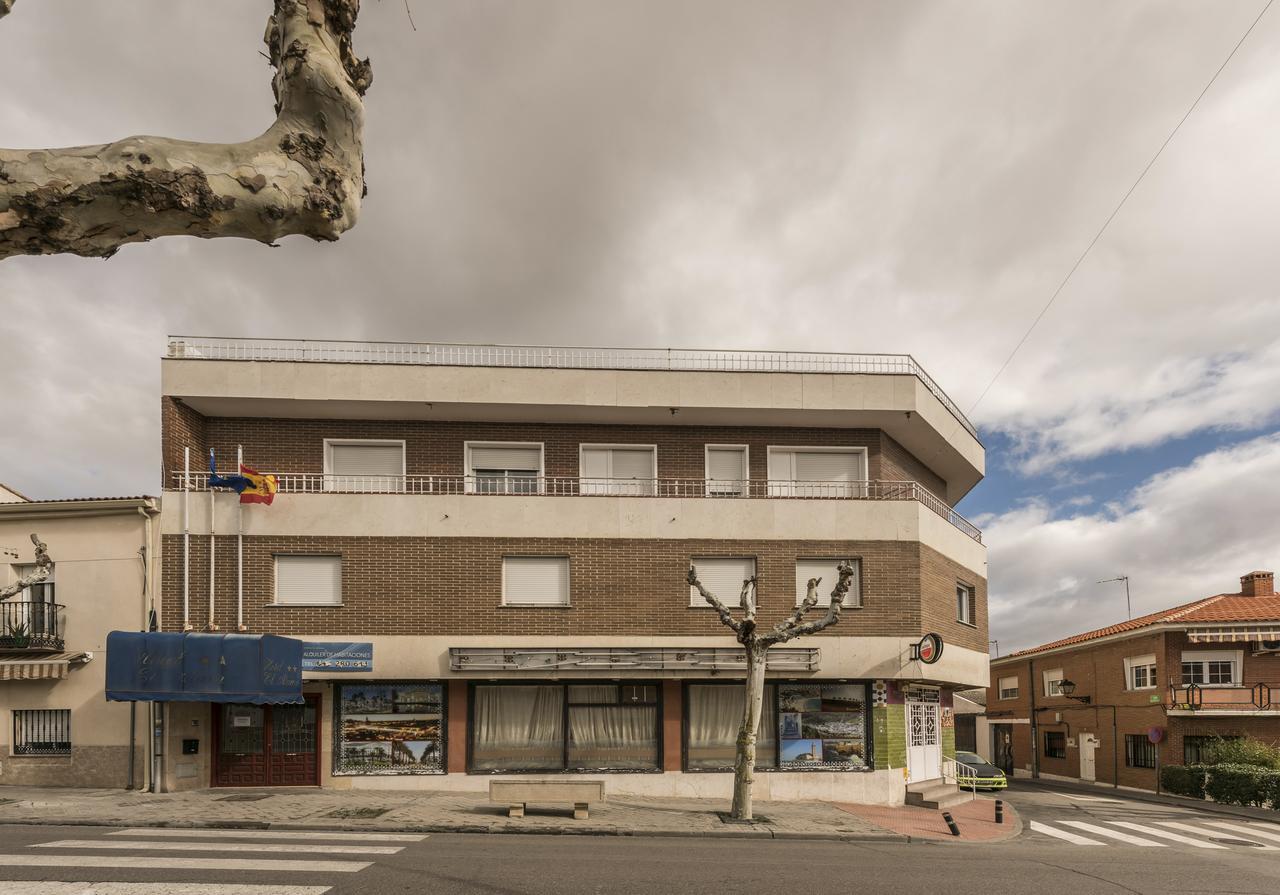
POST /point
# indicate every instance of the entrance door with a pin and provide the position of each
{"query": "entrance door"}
(1088, 765)
(264, 745)
(1002, 747)
(924, 742)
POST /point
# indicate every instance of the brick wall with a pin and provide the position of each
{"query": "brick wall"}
(899, 464)
(452, 586)
(181, 427)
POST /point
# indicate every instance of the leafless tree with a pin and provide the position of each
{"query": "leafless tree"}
(304, 175)
(44, 565)
(755, 644)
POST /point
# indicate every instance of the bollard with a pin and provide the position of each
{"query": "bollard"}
(951, 824)
(999, 811)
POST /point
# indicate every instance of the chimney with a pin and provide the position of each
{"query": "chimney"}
(1257, 584)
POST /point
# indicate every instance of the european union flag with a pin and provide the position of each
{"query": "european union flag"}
(236, 483)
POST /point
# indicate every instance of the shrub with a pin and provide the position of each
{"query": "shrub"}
(1243, 751)
(1242, 784)
(1183, 780)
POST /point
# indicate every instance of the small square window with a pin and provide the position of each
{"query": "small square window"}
(1139, 751)
(1055, 744)
(829, 571)
(535, 581)
(308, 580)
(1009, 687)
(722, 576)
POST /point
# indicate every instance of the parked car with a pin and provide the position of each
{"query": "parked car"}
(978, 773)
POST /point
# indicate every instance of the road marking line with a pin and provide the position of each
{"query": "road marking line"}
(1265, 832)
(287, 847)
(269, 834)
(1165, 834)
(53, 888)
(142, 862)
(1062, 834)
(1190, 829)
(1114, 834)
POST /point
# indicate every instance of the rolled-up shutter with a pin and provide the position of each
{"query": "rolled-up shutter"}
(309, 579)
(828, 571)
(726, 470)
(827, 466)
(535, 580)
(365, 467)
(522, 458)
(722, 576)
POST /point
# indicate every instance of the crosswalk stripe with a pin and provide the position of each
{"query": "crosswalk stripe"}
(143, 862)
(1261, 846)
(1266, 832)
(286, 847)
(1114, 834)
(1165, 834)
(1062, 834)
(31, 887)
(269, 834)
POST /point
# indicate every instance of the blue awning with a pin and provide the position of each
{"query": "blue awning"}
(160, 667)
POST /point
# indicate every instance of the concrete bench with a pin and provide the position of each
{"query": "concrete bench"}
(516, 793)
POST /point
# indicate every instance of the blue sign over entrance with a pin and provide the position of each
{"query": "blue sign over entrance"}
(337, 656)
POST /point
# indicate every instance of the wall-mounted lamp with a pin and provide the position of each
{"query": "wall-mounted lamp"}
(1068, 687)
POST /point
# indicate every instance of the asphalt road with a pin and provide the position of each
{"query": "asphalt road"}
(192, 862)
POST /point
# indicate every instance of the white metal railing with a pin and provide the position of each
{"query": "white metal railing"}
(559, 357)
(573, 486)
(953, 769)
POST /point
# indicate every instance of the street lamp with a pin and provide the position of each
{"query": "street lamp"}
(1068, 687)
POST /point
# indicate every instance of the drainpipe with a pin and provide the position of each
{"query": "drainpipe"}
(239, 549)
(1035, 752)
(186, 539)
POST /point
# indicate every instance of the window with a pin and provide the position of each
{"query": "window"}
(30, 618)
(817, 472)
(828, 571)
(714, 715)
(535, 581)
(42, 732)
(387, 728)
(363, 466)
(722, 576)
(501, 468)
(1139, 752)
(1219, 668)
(308, 580)
(1195, 749)
(1052, 682)
(965, 601)
(1055, 744)
(1140, 672)
(34, 593)
(1008, 687)
(618, 469)
(727, 470)
(523, 727)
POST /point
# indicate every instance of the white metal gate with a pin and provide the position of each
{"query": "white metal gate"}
(924, 741)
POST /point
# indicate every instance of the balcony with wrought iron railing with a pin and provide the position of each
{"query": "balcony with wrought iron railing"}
(559, 357)
(30, 625)
(1192, 699)
(566, 486)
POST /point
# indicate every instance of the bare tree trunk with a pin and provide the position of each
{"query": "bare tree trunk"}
(744, 768)
(304, 175)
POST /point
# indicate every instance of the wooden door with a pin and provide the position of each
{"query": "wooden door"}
(240, 752)
(267, 745)
(294, 752)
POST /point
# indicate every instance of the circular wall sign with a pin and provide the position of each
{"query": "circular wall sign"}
(929, 649)
(1156, 734)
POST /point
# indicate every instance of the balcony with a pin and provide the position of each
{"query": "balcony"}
(562, 486)
(1217, 699)
(32, 626)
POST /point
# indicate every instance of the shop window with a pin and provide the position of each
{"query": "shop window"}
(1055, 744)
(42, 732)
(385, 729)
(1139, 751)
(714, 714)
(829, 571)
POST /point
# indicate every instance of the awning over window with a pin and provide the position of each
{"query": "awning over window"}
(253, 668)
(1247, 634)
(26, 667)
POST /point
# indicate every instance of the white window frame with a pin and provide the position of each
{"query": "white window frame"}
(733, 600)
(971, 604)
(329, 474)
(1001, 689)
(1204, 657)
(470, 486)
(852, 600)
(1052, 678)
(1132, 663)
(568, 585)
(275, 579)
(596, 482)
(743, 488)
(794, 488)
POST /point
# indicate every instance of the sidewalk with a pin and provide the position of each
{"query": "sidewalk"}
(1027, 784)
(398, 810)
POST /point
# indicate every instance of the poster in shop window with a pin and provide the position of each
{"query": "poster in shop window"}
(823, 726)
(388, 729)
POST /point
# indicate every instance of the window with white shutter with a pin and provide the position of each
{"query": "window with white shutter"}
(535, 581)
(828, 571)
(504, 468)
(817, 472)
(722, 576)
(309, 580)
(363, 466)
(618, 469)
(727, 470)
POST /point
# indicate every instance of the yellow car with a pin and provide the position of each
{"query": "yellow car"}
(978, 773)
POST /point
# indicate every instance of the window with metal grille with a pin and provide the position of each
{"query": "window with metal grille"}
(1139, 752)
(42, 732)
(1055, 744)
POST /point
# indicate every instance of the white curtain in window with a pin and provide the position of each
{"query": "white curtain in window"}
(518, 728)
(613, 736)
(715, 714)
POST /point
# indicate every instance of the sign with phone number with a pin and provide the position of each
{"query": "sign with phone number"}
(337, 656)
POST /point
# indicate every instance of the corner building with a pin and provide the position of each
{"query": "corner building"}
(509, 529)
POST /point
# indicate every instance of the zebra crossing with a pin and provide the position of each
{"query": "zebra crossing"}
(186, 852)
(1207, 835)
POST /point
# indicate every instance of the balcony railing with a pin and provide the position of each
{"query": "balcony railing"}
(1216, 697)
(30, 626)
(461, 355)
(563, 486)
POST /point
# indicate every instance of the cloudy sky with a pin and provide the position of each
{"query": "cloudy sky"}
(862, 176)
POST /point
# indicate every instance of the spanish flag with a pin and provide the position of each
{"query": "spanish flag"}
(261, 488)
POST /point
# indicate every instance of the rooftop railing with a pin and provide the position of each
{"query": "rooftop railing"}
(463, 355)
(563, 486)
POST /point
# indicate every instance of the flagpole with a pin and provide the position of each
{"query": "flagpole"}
(213, 504)
(186, 538)
(239, 547)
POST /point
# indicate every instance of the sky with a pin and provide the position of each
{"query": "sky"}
(858, 176)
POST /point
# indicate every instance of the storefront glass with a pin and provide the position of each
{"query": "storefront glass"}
(715, 714)
(386, 729)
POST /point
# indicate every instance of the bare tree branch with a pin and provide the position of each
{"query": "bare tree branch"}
(304, 175)
(44, 565)
(722, 610)
(790, 629)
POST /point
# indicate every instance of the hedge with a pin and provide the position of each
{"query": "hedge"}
(1184, 780)
(1242, 784)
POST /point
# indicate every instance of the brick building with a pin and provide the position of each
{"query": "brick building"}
(1148, 692)
(509, 529)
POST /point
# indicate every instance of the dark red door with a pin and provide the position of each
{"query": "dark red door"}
(258, 745)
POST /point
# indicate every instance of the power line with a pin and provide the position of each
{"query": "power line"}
(1116, 211)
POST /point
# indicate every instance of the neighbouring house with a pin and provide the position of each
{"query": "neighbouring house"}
(484, 550)
(1114, 704)
(56, 729)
